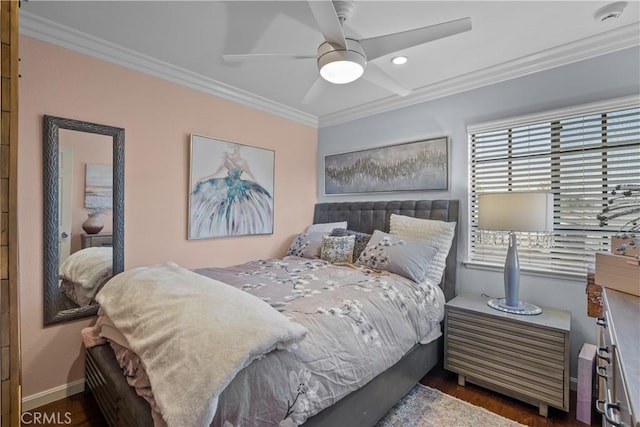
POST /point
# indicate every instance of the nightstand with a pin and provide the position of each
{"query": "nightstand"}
(525, 357)
(96, 240)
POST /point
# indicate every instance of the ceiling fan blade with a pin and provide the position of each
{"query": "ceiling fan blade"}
(376, 75)
(328, 22)
(264, 57)
(314, 92)
(376, 47)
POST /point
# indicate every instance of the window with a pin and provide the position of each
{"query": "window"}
(579, 155)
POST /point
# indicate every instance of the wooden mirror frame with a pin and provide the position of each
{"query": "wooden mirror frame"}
(57, 307)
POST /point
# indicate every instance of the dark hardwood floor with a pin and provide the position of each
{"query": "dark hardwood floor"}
(80, 410)
(521, 412)
(83, 410)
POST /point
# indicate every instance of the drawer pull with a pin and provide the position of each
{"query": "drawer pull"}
(600, 406)
(601, 357)
(609, 409)
(601, 371)
(601, 321)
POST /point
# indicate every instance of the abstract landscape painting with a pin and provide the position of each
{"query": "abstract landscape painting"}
(413, 166)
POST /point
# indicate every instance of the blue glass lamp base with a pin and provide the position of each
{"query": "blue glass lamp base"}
(523, 308)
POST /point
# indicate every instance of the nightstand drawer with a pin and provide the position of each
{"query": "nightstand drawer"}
(516, 329)
(96, 240)
(509, 338)
(516, 359)
(509, 380)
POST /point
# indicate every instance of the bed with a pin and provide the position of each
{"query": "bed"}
(121, 406)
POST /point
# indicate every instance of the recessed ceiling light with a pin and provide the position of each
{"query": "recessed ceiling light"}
(610, 11)
(399, 60)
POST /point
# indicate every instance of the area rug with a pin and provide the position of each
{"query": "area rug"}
(427, 407)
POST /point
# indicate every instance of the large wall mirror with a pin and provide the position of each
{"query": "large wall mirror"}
(83, 170)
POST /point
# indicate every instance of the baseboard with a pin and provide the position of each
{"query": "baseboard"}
(57, 393)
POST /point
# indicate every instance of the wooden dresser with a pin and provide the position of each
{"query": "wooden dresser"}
(618, 367)
(525, 357)
(96, 240)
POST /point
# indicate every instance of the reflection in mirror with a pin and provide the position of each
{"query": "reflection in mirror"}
(83, 220)
(86, 191)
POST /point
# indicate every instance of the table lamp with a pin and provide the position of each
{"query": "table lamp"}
(512, 212)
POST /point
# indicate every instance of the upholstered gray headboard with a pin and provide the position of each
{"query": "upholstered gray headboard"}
(369, 216)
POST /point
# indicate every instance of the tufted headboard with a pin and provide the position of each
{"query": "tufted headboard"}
(369, 216)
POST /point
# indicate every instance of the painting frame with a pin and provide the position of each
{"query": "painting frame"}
(420, 165)
(231, 189)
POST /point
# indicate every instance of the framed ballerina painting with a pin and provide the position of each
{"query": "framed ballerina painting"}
(230, 189)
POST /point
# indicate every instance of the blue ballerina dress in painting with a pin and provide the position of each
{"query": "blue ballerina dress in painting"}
(230, 206)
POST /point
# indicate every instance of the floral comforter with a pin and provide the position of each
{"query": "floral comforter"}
(360, 323)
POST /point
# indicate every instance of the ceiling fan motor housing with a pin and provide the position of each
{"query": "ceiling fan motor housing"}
(341, 65)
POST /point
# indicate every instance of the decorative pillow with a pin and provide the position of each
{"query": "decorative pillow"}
(326, 227)
(436, 233)
(360, 242)
(307, 245)
(337, 248)
(406, 257)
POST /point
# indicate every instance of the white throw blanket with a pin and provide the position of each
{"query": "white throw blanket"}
(193, 335)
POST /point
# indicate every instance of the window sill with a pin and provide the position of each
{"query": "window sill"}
(527, 272)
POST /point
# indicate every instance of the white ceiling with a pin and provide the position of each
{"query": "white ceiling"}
(183, 41)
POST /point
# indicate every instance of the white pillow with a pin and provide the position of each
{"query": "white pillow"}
(436, 233)
(326, 227)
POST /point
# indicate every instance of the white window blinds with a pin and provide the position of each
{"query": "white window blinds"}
(580, 159)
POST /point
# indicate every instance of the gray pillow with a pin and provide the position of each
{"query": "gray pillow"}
(400, 255)
(307, 245)
(361, 240)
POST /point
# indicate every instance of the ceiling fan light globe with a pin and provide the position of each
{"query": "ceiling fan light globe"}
(340, 66)
(341, 72)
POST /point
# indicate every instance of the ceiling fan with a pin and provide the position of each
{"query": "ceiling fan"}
(342, 59)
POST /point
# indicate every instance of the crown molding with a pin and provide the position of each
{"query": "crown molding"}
(51, 32)
(603, 43)
(611, 41)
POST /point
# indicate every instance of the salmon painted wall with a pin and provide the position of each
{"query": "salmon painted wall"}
(158, 117)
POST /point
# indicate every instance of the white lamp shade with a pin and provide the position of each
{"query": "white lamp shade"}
(516, 211)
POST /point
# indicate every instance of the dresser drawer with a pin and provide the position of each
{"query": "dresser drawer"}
(622, 399)
(617, 368)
